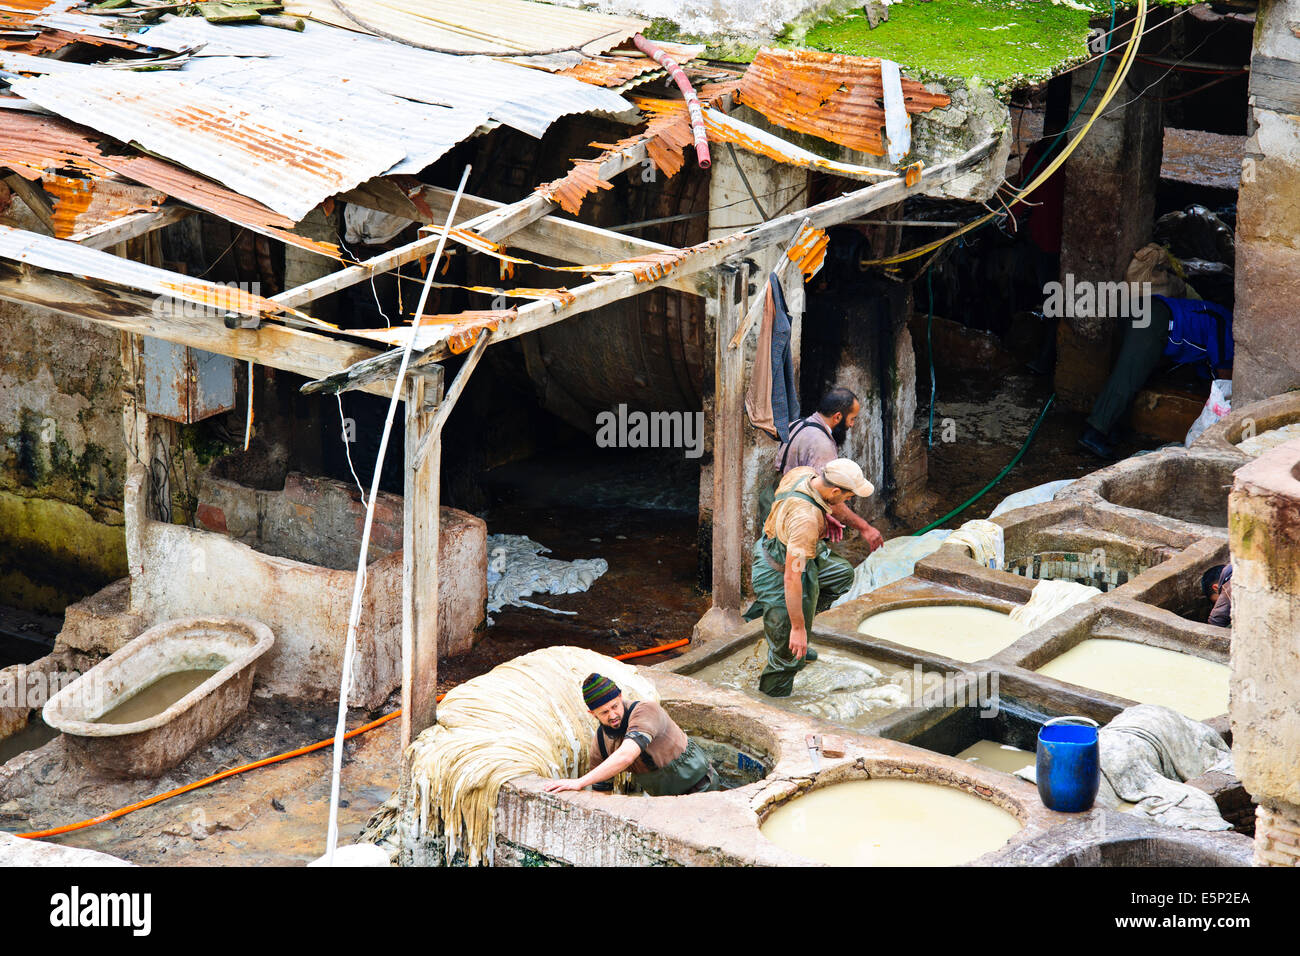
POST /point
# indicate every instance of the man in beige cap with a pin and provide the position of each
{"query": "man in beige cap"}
(795, 574)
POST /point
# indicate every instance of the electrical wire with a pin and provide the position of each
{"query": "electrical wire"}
(1125, 65)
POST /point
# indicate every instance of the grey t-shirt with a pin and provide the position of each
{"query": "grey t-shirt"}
(810, 447)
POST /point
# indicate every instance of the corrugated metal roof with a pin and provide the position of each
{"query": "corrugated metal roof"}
(69, 258)
(32, 144)
(830, 95)
(526, 99)
(290, 119)
(481, 26)
(722, 128)
(286, 162)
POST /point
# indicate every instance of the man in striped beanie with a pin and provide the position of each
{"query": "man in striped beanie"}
(639, 736)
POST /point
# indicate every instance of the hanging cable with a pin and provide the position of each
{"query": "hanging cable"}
(354, 618)
(1125, 65)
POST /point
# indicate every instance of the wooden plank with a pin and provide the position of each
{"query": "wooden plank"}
(35, 199)
(494, 225)
(565, 240)
(1275, 84)
(420, 531)
(303, 353)
(728, 448)
(431, 436)
(128, 227)
(693, 260)
(752, 313)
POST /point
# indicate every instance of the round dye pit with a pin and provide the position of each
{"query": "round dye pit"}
(889, 823)
(839, 686)
(1149, 675)
(963, 632)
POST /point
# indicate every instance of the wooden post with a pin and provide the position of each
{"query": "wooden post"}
(728, 455)
(420, 560)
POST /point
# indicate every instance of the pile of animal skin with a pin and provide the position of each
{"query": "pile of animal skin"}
(523, 717)
(838, 686)
(1256, 445)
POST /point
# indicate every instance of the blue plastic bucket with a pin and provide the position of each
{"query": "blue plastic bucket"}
(1068, 766)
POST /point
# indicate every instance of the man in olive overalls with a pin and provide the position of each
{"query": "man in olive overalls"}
(642, 737)
(795, 574)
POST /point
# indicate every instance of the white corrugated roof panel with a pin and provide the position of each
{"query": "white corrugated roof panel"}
(290, 119)
(484, 26)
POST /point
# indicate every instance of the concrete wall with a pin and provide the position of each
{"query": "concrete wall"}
(1265, 541)
(177, 571)
(62, 456)
(1110, 194)
(1266, 325)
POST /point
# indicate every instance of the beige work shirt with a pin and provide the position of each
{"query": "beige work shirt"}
(796, 523)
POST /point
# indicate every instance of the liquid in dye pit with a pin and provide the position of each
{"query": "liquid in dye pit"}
(990, 753)
(963, 632)
(1008, 759)
(846, 688)
(889, 823)
(1149, 675)
(156, 697)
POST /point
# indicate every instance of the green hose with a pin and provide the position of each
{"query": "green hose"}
(1002, 474)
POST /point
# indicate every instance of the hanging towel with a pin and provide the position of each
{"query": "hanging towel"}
(772, 401)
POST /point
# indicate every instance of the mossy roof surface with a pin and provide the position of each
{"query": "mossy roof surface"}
(1006, 43)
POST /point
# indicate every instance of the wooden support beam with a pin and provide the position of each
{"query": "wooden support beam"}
(128, 227)
(432, 435)
(728, 446)
(494, 225)
(34, 197)
(303, 353)
(693, 260)
(420, 528)
(564, 239)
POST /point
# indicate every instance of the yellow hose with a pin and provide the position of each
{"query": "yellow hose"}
(1129, 55)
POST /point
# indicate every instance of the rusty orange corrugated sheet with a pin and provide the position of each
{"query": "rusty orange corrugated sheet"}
(808, 251)
(81, 203)
(829, 95)
(31, 143)
(462, 328)
(50, 40)
(665, 137)
(619, 68)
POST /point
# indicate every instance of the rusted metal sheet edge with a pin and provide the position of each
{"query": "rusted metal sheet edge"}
(69, 258)
(690, 259)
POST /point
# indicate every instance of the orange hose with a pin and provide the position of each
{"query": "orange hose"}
(123, 811)
(159, 798)
(653, 650)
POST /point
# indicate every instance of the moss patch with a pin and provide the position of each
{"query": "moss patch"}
(53, 553)
(1002, 42)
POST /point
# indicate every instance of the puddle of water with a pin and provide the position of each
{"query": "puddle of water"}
(37, 733)
(839, 686)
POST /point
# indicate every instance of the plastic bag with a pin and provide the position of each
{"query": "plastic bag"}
(1216, 406)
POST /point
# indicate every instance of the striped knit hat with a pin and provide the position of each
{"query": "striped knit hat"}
(597, 690)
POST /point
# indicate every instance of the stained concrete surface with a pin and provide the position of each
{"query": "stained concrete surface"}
(235, 822)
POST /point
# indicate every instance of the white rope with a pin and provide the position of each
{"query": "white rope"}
(354, 618)
(248, 426)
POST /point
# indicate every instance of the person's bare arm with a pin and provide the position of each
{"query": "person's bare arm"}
(794, 565)
(847, 516)
(611, 766)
